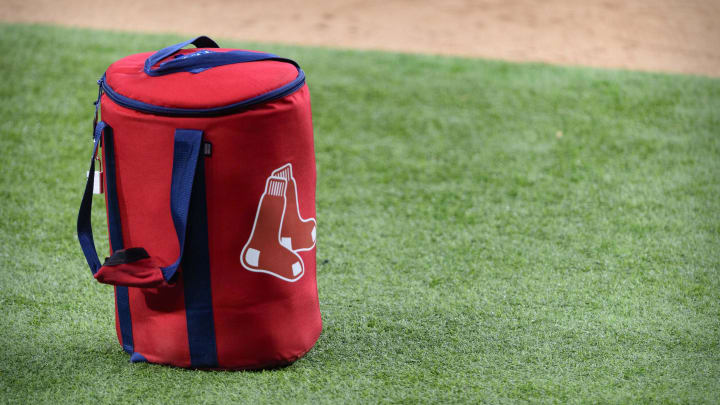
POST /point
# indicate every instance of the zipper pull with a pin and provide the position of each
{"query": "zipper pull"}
(97, 104)
(98, 173)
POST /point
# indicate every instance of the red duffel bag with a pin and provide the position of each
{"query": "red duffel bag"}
(208, 171)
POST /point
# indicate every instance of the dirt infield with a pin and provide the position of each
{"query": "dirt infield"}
(662, 35)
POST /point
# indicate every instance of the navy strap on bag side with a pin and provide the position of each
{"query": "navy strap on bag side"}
(84, 225)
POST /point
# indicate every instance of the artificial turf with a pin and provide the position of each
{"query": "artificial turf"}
(488, 232)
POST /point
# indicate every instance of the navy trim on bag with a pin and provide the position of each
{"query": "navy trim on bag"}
(122, 294)
(122, 300)
(196, 279)
(114, 223)
(137, 358)
(136, 105)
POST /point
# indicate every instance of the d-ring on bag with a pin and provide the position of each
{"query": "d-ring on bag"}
(208, 170)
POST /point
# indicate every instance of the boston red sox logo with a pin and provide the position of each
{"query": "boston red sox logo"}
(279, 232)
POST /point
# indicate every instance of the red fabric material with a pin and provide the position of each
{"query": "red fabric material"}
(160, 325)
(142, 273)
(260, 320)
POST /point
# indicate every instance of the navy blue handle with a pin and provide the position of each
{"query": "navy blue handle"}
(199, 42)
(202, 60)
(185, 159)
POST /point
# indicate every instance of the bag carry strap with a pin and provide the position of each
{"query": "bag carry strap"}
(134, 267)
(199, 61)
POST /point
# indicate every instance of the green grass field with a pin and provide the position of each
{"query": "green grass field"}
(488, 232)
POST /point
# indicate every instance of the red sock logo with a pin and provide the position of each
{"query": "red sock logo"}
(279, 231)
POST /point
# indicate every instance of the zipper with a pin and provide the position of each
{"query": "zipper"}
(136, 105)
